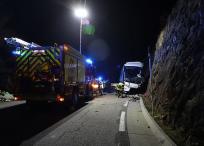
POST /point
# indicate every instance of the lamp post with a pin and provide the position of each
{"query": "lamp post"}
(81, 13)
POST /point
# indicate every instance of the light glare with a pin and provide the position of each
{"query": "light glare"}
(89, 61)
(81, 12)
(95, 86)
(16, 52)
(100, 78)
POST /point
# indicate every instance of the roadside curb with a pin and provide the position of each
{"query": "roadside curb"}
(10, 104)
(157, 131)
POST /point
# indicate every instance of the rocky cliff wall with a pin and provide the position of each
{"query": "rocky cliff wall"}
(177, 84)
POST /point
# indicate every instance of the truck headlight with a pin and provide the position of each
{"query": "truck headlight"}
(95, 86)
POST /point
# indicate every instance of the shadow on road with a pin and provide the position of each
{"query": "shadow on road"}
(21, 122)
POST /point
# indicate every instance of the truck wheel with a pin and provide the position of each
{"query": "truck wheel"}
(91, 94)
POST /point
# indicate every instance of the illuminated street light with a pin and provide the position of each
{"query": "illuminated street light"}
(82, 13)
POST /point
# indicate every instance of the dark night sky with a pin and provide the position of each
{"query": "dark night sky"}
(124, 29)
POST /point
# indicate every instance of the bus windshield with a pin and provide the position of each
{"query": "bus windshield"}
(132, 73)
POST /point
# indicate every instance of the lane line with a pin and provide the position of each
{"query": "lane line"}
(122, 121)
(126, 103)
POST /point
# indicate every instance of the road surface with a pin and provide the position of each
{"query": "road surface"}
(105, 121)
(19, 123)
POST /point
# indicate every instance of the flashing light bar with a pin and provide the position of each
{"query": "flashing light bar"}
(39, 51)
(20, 42)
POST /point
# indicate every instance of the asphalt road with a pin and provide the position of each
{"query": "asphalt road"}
(97, 124)
(19, 123)
(104, 121)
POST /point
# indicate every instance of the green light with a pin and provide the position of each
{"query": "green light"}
(89, 29)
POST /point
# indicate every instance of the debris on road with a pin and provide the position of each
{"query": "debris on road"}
(6, 96)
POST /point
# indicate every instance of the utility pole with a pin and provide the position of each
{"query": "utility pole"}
(81, 27)
(150, 65)
(150, 80)
(80, 35)
(82, 13)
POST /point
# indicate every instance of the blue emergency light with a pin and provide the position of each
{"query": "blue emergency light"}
(100, 78)
(89, 61)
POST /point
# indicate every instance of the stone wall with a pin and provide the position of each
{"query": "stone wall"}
(177, 84)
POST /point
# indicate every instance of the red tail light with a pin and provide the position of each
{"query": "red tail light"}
(60, 98)
(16, 98)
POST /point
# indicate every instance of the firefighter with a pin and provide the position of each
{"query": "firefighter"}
(119, 89)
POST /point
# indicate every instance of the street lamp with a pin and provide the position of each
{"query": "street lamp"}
(82, 13)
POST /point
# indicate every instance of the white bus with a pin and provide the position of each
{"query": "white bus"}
(131, 76)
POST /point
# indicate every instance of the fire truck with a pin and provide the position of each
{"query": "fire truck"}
(52, 73)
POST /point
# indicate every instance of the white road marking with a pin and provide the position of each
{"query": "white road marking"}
(126, 104)
(122, 121)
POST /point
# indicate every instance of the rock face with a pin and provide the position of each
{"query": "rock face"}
(177, 84)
